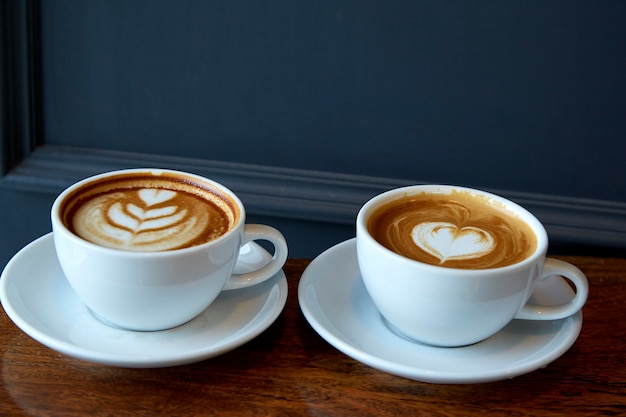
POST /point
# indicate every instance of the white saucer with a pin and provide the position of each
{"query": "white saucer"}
(37, 297)
(335, 302)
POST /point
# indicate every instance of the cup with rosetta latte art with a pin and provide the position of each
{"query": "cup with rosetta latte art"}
(150, 249)
(451, 266)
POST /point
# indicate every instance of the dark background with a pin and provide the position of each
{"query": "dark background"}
(525, 98)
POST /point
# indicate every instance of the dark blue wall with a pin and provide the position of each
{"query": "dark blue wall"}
(512, 95)
(522, 97)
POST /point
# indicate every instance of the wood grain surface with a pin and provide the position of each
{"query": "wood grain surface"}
(289, 370)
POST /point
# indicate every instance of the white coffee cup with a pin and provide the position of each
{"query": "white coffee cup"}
(155, 290)
(446, 306)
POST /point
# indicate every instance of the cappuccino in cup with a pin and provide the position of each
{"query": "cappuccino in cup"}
(143, 212)
(150, 249)
(456, 230)
(451, 266)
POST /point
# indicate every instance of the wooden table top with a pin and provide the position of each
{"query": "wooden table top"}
(290, 370)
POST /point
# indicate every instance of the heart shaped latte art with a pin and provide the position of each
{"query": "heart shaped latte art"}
(152, 196)
(446, 241)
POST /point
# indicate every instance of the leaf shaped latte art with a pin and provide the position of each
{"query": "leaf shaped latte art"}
(146, 220)
(136, 219)
(446, 241)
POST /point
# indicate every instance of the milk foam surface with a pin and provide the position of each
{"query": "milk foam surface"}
(154, 215)
(456, 231)
(446, 241)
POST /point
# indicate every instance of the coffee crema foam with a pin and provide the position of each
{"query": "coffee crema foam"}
(457, 230)
(145, 212)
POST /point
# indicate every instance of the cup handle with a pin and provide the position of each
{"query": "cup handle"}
(252, 232)
(568, 271)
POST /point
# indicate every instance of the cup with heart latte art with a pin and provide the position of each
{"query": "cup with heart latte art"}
(451, 266)
(150, 249)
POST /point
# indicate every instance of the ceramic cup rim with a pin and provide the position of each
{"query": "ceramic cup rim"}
(397, 193)
(60, 227)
